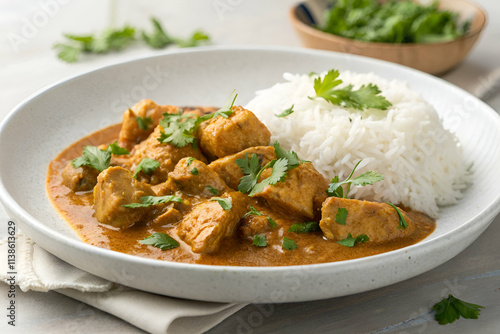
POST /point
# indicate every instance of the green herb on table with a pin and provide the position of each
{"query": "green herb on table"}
(146, 165)
(288, 244)
(450, 309)
(350, 241)
(335, 188)
(402, 221)
(144, 123)
(259, 240)
(147, 201)
(363, 98)
(286, 112)
(160, 240)
(393, 22)
(93, 157)
(304, 227)
(117, 39)
(225, 203)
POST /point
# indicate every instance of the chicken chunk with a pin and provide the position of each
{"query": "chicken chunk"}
(231, 173)
(131, 133)
(379, 221)
(115, 187)
(195, 178)
(83, 178)
(166, 154)
(221, 136)
(300, 194)
(208, 223)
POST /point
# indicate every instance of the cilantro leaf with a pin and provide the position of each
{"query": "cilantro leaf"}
(293, 160)
(350, 241)
(144, 123)
(226, 110)
(253, 211)
(304, 227)
(335, 187)
(197, 38)
(288, 244)
(194, 171)
(94, 157)
(402, 221)
(190, 161)
(213, 190)
(251, 169)
(364, 98)
(147, 166)
(450, 309)
(158, 39)
(279, 168)
(272, 222)
(225, 203)
(147, 201)
(259, 240)
(179, 129)
(286, 112)
(341, 216)
(68, 53)
(115, 149)
(160, 240)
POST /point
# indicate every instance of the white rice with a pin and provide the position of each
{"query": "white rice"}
(421, 162)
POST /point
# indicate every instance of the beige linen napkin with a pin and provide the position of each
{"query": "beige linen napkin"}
(39, 270)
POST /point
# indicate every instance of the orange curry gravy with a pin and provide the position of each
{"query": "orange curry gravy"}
(77, 209)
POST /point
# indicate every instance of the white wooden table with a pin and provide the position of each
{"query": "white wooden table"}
(29, 28)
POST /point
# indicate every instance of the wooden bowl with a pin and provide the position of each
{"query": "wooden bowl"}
(435, 58)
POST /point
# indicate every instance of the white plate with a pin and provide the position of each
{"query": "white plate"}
(38, 129)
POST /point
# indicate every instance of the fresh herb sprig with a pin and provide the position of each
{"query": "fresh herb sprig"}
(304, 227)
(402, 221)
(450, 309)
(252, 170)
(225, 203)
(350, 241)
(335, 188)
(94, 157)
(160, 240)
(286, 112)
(147, 201)
(363, 98)
(146, 165)
(118, 39)
(259, 240)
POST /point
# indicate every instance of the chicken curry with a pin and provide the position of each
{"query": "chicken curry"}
(201, 185)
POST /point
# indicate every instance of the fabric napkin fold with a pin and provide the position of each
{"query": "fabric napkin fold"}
(38, 270)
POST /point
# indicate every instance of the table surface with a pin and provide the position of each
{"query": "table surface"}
(30, 28)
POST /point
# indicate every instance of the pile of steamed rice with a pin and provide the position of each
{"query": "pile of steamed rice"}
(421, 162)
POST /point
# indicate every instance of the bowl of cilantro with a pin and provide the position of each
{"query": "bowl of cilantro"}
(432, 38)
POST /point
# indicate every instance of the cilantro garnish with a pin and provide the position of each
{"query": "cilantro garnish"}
(291, 157)
(225, 203)
(253, 211)
(364, 98)
(190, 161)
(213, 190)
(160, 240)
(450, 309)
(259, 240)
(144, 123)
(288, 244)
(341, 216)
(194, 171)
(402, 221)
(179, 129)
(304, 227)
(116, 149)
(286, 112)
(147, 166)
(147, 201)
(94, 157)
(226, 110)
(252, 170)
(350, 241)
(271, 222)
(335, 187)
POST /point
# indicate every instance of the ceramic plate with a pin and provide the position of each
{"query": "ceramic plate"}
(39, 128)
